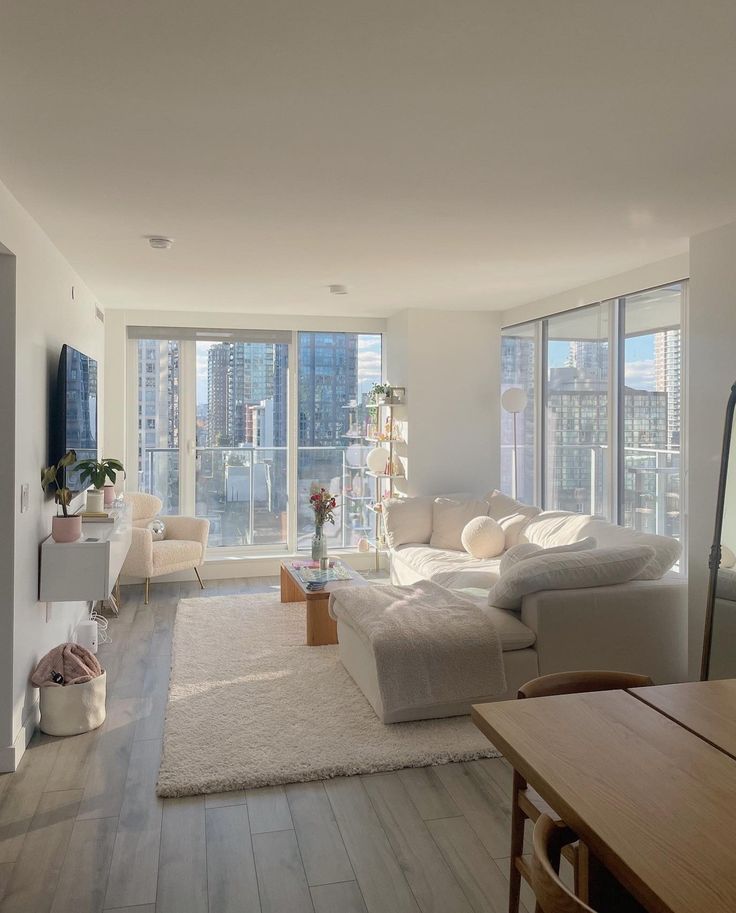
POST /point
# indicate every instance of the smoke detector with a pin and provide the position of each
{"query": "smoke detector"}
(337, 289)
(158, 242)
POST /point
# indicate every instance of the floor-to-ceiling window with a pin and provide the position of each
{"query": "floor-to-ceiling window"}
(610, 379)
(226, 430)
(576, 412)
(518, 358)
(336, 372)
(652, 410)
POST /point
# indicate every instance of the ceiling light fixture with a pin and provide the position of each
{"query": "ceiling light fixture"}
(158, 242)
(337, 289)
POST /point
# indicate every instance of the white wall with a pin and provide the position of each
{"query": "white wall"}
(712, 371)
(46, 317)
(449, 363)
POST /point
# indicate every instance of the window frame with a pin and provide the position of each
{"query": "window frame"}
(616, 317)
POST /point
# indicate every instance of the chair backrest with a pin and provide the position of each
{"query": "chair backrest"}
(579, 682)
(547, 843)
(143, 506)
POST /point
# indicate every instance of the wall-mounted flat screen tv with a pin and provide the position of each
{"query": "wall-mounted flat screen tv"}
(76, 411)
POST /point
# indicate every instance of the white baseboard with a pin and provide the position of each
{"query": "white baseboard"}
(225, 568)
(10, 755)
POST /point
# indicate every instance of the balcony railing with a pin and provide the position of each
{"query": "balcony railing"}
(243, 491)
(577, 480)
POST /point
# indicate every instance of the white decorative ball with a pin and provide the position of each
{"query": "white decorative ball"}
(158, 529)
(377, 459)
(483, 537)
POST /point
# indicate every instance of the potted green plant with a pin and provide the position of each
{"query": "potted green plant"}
(64, 528)
(102, 475)
(379, 393)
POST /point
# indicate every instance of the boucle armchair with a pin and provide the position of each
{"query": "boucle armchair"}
(183, 547)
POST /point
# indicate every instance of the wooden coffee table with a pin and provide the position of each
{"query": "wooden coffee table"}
(321, 629)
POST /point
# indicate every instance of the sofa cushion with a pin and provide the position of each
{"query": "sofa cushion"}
(449, 518)
(560, 528)
(501, 505)
(450, 568)
(483, 537)
(526, 549)
(407, 520)
(514, 634)
(515, 524)
(574, 570)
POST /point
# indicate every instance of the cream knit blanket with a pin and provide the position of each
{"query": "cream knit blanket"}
(431, 645)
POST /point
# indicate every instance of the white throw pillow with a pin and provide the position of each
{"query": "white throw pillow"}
(501, 505)
(515, 524)
(449, 519)
(526, 549)
(728, 559)
(407, 520)
(576, 570)
(482, 537)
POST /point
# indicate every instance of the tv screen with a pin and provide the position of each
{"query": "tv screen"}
(76, 411)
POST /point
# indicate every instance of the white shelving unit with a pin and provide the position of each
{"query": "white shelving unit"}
(85, 570)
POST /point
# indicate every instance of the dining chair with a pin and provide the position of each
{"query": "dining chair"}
(549, 840)
(526, 803)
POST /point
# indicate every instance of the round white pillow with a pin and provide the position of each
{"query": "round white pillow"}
(728, 559)
(483, 537)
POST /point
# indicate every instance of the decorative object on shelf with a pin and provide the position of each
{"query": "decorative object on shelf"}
(377, 459)
(64, 528)
(323, 504)
(379, 394)
(363, 545)
(398, 396)
(102, 474)
(514, 400)
(158, 529)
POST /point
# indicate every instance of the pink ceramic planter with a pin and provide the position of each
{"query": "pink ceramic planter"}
(109, 495)
(66, 529)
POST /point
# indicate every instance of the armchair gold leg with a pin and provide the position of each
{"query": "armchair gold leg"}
(201, 585)
(117, 591)
(148, 582)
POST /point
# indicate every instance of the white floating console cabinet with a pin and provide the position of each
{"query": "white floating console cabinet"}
(85, 570)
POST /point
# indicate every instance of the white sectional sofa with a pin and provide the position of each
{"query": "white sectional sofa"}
(638, 626)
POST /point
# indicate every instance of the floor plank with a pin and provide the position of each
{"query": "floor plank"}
(36, 872)
(220, 800)
(73, 760)
(232, 885)
(134, 867)
(281, 878)
(23, 793)
(6, 870)
(268, 810)
(152, 706)
(83, 876)
(485, 805)
(344, 897)
(482, 879)
(376, 868)
(107, 769)
(427, 793)
(182, 873)
(323, 852)
(424, 867)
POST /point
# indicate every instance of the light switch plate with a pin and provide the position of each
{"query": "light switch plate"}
(25, 497)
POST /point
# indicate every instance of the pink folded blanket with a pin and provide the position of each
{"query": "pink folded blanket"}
(75, 663)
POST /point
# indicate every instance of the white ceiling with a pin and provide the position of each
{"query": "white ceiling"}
(445, 154)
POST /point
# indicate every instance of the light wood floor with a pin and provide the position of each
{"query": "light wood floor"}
(81, 830)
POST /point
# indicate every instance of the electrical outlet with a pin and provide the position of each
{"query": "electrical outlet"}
(25, 497)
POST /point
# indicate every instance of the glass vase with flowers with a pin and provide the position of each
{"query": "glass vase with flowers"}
(323, 504)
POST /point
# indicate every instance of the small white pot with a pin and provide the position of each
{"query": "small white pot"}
(73, 709)
(95, 500)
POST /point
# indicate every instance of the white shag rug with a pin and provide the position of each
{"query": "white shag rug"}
(251, 705)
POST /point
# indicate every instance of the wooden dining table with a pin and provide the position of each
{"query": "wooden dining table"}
(646, 778)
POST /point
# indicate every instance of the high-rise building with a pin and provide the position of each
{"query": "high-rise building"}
(328, 380)
(668, 373)
(158, 418)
